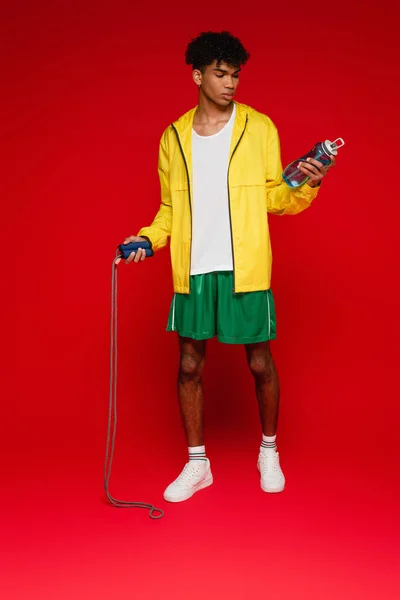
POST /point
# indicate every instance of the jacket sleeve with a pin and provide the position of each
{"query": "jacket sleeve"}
(282, 199)
(160, 229)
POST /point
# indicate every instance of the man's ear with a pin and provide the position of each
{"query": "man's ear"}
(197, 77)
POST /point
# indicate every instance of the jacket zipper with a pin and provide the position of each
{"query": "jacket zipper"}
(190, 200)
(229, 202)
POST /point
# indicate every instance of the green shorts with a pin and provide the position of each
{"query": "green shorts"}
(213, 309)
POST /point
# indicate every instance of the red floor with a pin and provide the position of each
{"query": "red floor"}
(330, 535)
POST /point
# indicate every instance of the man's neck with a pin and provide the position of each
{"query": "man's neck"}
(209, 112)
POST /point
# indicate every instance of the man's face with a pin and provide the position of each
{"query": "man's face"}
(219, 82)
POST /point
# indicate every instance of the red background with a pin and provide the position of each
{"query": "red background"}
(87, 89)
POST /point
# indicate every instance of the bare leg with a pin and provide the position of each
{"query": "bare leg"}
(190, 390)
(266, 380)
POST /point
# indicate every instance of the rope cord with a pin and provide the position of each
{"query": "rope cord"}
(112, 406)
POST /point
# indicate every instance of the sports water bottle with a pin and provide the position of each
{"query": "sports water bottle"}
(321, 151)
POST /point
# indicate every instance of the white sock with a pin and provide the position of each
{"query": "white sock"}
(197, 453)
(268, 443)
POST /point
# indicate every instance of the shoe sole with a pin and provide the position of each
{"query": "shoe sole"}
(274, 490)
(200, 486)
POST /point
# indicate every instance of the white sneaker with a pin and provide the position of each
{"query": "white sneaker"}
(195, 476)
(272, 478)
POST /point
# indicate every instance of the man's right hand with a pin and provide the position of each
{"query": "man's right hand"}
(136, 257)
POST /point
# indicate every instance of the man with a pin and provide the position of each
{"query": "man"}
(220, 173)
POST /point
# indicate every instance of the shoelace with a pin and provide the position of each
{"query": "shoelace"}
(189, 471)
(270, 460)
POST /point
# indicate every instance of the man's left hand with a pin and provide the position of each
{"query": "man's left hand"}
(315, 170)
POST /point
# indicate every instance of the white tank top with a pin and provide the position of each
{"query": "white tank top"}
(211, 233)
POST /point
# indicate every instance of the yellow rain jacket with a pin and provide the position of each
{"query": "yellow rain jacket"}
(255, 188)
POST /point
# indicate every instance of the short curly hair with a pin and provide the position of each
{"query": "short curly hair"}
(210, 46)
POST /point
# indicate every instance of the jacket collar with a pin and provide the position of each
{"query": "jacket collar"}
(184, 126)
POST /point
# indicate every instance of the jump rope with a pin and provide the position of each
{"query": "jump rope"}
(123, 251)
